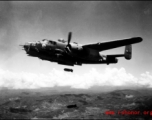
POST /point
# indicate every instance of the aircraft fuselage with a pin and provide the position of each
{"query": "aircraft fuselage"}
(55, 51)
(72, 53)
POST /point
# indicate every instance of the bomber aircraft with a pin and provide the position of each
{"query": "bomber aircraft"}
(70, 53)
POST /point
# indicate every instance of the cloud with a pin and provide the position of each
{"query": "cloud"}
(146, 79)
(110, 77)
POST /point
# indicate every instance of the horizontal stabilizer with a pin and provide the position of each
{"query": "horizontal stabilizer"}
(116, 55)
(127, 54)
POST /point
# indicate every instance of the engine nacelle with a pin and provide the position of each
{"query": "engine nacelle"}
(59, 56)
(76, 48)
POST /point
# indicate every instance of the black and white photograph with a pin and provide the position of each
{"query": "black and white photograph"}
(76, 60)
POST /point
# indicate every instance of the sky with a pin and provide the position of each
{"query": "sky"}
(90, 22)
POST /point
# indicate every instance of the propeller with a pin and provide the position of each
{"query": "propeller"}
(68, 47)
(69, 37)
(28, 48)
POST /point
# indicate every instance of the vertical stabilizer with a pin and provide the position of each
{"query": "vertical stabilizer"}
(128, 52)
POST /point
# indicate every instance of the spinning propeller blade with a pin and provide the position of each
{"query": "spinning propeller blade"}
(68, 46)
(69, 37)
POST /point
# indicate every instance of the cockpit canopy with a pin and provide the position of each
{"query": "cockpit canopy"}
(44, 40)
(62, 40)
(52, 42)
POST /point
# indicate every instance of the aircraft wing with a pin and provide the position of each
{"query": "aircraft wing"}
(113, 44)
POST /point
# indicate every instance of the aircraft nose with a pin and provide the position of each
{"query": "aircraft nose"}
(27, 46)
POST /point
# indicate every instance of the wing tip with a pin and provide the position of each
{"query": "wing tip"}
(137, 39)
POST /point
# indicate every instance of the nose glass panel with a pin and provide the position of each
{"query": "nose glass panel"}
(27, 46)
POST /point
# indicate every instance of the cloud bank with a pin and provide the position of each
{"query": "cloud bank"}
(110, 77)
